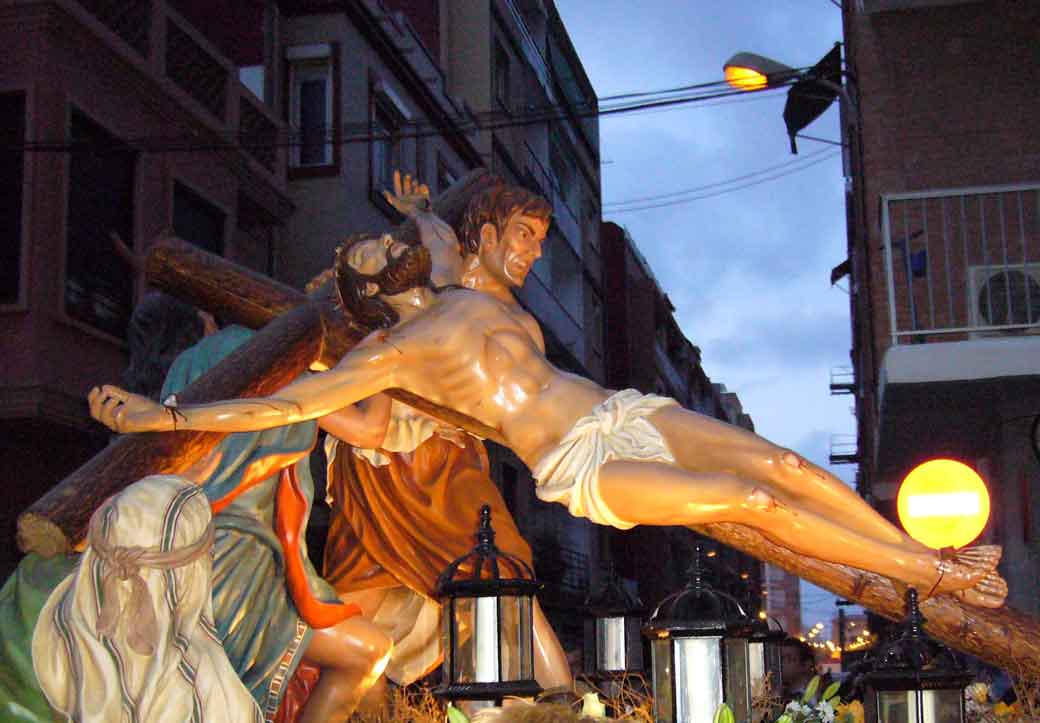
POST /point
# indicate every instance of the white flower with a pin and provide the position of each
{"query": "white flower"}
(826, 711)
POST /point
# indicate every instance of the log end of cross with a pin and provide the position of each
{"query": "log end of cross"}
(38, 534)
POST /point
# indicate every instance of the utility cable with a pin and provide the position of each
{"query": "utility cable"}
(698, 189)
(701, 197)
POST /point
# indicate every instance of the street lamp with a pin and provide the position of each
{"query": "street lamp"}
(487, 598)
(699, 648)
(914, 679)
(812, 91)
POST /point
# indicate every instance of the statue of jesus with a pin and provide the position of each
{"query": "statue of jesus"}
(618, 458)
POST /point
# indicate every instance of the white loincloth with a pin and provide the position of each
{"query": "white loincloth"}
(617, 429)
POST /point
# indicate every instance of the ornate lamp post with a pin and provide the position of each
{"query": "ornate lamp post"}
(914, 679)
(699, 645)
(612, 631)
(487, 598)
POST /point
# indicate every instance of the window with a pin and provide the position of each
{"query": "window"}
(386, 124)
(98, 289)
(561, 163)
(446, 175)
(12, 137)
(197, 221)
(312, 105)
(501, 76)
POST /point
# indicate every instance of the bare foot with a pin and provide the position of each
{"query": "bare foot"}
(989, 592)
(972, 572)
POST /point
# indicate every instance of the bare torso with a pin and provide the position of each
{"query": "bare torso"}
(483, 357)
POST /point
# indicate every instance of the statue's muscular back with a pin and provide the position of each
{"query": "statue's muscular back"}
(473, 353)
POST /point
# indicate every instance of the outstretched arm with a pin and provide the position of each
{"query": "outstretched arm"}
(362, 373)
(361, 425)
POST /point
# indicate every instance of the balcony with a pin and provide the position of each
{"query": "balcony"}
(963, 282)
(193, 75)
(962, 277)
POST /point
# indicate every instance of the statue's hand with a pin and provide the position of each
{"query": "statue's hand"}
(123, 412)
(409, 196)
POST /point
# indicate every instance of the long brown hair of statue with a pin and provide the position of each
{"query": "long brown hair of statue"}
(496, 205)
(408, 270)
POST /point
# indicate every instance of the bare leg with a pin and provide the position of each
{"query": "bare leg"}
(550, 662)
(701, 444)
(352, 656)
(660, 494)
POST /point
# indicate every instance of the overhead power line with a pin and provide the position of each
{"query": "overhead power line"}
(361, 132)
(698, 189)
(702, 196)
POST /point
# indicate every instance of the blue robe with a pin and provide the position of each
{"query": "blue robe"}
(261, 629)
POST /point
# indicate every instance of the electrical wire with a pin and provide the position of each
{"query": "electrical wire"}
(361, 132)
(701, 197)
(698, 189)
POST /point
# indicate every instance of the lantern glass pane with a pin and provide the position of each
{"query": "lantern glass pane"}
(515, 638)
(476, 628)
(661, 660)
(464, 670)
(610, 644)
(920, 706)
(738, 677)
(698, 678)
(757, 668)
(774, 667)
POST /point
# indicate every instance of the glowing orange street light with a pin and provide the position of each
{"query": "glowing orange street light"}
(943, 503)
(750, 71)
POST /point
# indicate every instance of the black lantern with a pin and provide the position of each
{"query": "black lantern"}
(699, 643)
(914, 679)
(487, 599)
(613, 645)
(765, 658)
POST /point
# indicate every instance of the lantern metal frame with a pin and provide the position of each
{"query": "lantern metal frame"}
(698, 611)
(613, 602)
(487, 572)
(916, 665)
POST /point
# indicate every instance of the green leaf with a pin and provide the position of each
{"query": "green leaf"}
(724, 714)
(456, 716)
(832, 690)
(785, 718)
(810, 690)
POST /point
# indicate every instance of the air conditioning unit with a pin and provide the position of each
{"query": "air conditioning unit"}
(1004, 296)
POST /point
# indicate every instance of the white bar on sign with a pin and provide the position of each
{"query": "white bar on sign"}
(944, 504)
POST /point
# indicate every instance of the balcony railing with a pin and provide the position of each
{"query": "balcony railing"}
(962, 263)
(153, 37)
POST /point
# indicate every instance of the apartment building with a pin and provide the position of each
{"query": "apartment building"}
(944, 243)
(646, 350)
(117, 118)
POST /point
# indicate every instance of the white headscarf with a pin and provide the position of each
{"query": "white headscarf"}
(129, 635)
